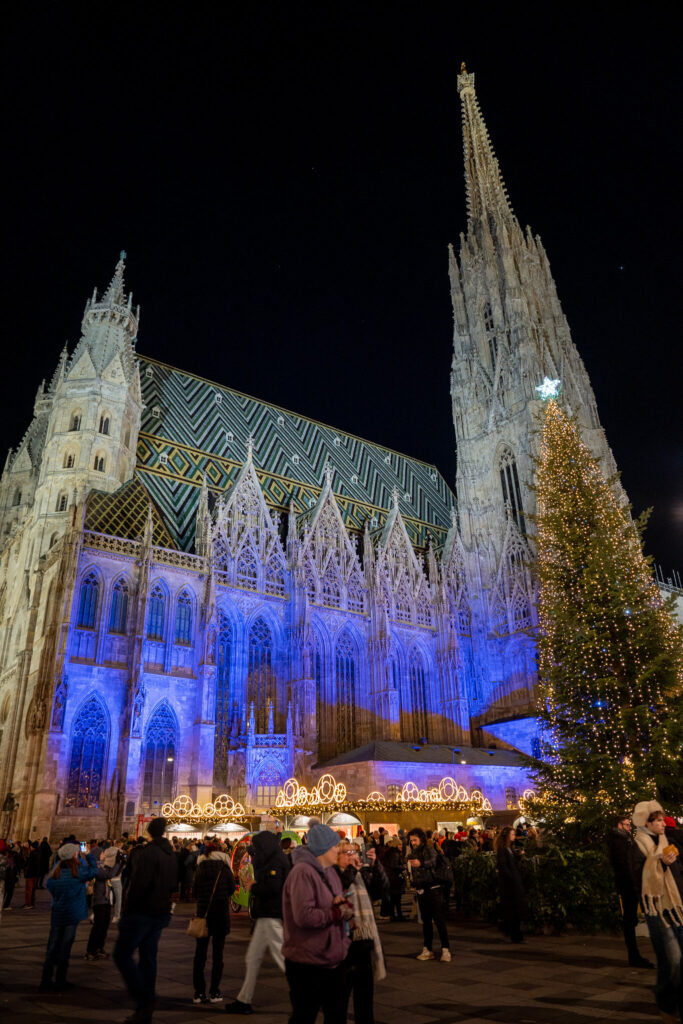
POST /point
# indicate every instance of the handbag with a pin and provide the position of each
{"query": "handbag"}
(198, 927)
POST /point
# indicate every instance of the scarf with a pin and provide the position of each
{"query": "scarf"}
(659, 892)
(366, 926)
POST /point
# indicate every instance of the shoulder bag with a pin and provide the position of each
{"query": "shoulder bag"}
(198, 928)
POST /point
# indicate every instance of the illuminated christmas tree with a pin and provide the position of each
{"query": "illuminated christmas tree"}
(610, 653)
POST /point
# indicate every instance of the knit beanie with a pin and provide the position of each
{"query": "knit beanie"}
(321, 838)
(642, 812)
(68, 851)
(109, 856)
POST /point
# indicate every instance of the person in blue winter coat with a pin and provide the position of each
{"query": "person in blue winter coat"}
(66, 885)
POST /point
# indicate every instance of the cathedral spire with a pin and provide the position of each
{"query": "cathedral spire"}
(486, 192)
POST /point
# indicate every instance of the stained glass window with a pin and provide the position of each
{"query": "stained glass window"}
(155, 615)
(119, 607)
(269, 780)
(346, 672)
(418, 695)
(183, 619)
(160, 749)
(89, 742)
(87, 601)
(260, 682)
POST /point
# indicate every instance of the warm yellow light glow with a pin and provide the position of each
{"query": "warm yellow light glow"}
(223, 808)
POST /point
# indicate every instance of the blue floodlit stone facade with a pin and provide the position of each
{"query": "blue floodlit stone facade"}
(201, 592)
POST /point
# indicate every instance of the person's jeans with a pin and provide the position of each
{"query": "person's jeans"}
(201, 948)
(267, 935)
(100, 926)
(432, 911)
(668, 947)
(59, 943)
(313, 988)
(141, 932)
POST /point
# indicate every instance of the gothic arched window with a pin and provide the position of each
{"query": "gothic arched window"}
(161, 741)
(119, 607)
(75, 421)
(156, 613)
(356, 601)
(418, 695)
(464, 618)
(345, 673)
(183, 619)
(223, 695)
(521, 616)
(423, 609)
(331, 588)
(246, 572)
(260, 680)
(98, 464)
(61, 503)
(268, 781)
(87, 601)
(512, 495)
(402, 602)
(69, 460)
(104, 425)
(89, 742)
(16, 500)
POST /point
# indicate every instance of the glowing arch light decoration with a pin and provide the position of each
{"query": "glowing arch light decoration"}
(330, 796)
(216, 812)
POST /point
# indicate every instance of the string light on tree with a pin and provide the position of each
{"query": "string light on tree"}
(610, 653)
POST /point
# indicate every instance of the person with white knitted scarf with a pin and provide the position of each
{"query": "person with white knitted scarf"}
(658, 875)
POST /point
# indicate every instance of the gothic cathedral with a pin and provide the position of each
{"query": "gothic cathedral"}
(204, 593)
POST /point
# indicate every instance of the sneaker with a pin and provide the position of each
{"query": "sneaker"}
(199, 999)
(90, 957)
(238, 1007)
(445, 956)
(215, 997)
(426, 954)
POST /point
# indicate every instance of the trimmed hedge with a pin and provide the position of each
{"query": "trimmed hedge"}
(566, 888)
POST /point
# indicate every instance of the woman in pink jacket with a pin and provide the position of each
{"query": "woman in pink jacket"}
(315, 918)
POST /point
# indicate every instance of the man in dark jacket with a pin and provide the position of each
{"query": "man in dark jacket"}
(619, 846)
(423, 862)
(271, 867)
(145, 913)
(45, 851)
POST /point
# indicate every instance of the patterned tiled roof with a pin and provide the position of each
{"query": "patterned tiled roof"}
(191, 427)
(124, 514)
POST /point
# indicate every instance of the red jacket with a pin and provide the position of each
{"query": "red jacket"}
(313, 930)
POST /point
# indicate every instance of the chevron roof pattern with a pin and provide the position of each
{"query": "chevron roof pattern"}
(124, 514)
(191, 427)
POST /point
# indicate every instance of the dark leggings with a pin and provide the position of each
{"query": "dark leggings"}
(201, 949)
(396, 910)
(432, 911)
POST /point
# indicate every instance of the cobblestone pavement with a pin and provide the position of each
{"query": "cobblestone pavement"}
(548, 980)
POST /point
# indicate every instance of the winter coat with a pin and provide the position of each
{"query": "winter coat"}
(101, 889)
(153, 876)
(619, 845)
(512, 896)
(210, 869)
(374, 878)
(394, 866)
(68, 893)
(423, 876)
(314, 932)
(32, 868)
(271, 868)
(45, 851)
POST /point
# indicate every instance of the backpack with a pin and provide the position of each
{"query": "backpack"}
(442, 870)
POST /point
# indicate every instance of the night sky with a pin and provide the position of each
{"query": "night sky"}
(286, 178)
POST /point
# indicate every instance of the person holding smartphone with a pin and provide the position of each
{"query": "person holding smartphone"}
(66, 884)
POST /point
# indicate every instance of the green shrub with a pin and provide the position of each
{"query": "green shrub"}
(565, 888)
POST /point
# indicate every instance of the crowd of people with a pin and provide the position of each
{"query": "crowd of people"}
(315, 907)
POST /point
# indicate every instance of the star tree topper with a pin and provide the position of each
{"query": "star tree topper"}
(548, 389)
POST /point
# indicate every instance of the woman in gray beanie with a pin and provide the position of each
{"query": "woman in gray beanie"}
(315, 919)
(66, 884)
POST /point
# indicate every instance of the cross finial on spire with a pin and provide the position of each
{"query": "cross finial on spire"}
(250, 447)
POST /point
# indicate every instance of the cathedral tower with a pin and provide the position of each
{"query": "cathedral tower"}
(509, 334)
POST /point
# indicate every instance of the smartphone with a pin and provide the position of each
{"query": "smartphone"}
(84, 848)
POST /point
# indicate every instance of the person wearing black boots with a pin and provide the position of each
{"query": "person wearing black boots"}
(620, 849)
